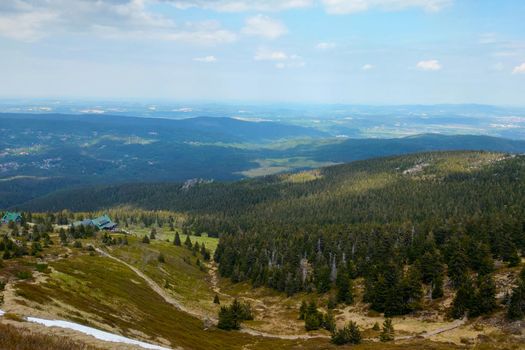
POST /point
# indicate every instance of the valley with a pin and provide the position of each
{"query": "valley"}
(155, 291)
(45, 153)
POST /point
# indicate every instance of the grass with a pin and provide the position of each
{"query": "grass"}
(180, 273)
(164, 234)
(12, 337)
(114, 296)
(279, 165)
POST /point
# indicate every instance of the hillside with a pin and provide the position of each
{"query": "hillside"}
(373, 190)
(434, 241)
(44, 153)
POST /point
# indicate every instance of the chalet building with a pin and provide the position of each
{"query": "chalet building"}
(102, 222)
(11, 217)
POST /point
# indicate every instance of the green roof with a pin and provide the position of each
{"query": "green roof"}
(11, 216)
(103, 222)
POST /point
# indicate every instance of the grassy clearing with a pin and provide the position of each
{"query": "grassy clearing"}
(166, 235)
(179, 274)
(279, 165)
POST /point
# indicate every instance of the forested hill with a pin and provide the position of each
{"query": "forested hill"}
(413, 187)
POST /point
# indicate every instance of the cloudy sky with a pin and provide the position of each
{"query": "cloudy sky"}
(326, 51)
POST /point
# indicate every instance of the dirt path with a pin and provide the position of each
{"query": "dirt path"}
(215, 287)
(214, 279)
(156, 288)
(169, 299)
(454, 325)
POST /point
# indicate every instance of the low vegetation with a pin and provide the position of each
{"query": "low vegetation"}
(22, 339)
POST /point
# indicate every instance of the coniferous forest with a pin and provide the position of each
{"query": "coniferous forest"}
(407, 226)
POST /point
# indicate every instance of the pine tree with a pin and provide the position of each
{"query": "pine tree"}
(394, 303)
(486, 294)
(329, 321)
(412, 291)
(387, 334)
(464, 300)
(349, 334)
(344, 287)
(176, 240)
(188, 243)
(312, 321)
(153, 233)
(227, 319)
(516, 307)
(303, 310)
(145, 239)
(457, 265)
(437, 287)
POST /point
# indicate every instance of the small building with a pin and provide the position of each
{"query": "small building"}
(85, 223)
(102, 222)
(11, 217)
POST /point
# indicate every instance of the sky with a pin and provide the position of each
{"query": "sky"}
(300, 51)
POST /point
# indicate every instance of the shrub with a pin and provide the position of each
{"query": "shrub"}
(349, 334)
(230, 317)
(387, 334)
(24, 274)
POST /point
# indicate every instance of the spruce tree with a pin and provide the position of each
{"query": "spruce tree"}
(486, 294)
(344, 287)
(303, 310)
(516, 307)
(349, 334)
(437, 287)
(457, 265)
(464, 300)
(387, 334)
(329, 321)
(188, 243)
(216, 299)
(153, 233)
(176, 240)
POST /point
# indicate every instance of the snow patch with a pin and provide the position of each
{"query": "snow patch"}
(101, 335)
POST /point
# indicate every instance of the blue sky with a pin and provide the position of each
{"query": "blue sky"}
(309, 51)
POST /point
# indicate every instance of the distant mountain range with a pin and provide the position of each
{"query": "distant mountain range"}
(44, 153)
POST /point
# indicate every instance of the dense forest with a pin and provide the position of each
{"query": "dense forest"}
(408, 226)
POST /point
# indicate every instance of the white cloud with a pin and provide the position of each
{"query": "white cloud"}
(282, 59)
(352, 6)
(367, 66)
(25, 26)
(206, 59)
(31, 20)
(325, 46)
(265, 27)
(243, 5)
(430, 65)
(519, 69)
(202, 36)
(268, 55)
